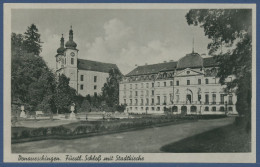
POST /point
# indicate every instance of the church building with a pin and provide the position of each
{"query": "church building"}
(86, 77)
(188, 86)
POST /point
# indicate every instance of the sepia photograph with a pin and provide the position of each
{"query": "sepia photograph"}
(126, 83)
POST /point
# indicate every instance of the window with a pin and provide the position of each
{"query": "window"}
(158, 83)
(124, 86)
(152, 101)
(177, 98)
(81, 77)
(214, 98)
(206, 81)
(177, 83)
(188, 82)
(142, 85)
(188, 72)
(136, 86)
(207, 99)
(222, 109)
(171, 83)
(130, 86)
(199, 81)
(131, 101)
(142, 101)
(230, 109)
(147, 101)
(230, 100)
(72, 61)
(81, 87)
(124, 101)
(165, 99)
(222, 99)
(147, 85)
(136, 101)
(206, 109)
(158, 100)
(95, 87)
(213, 108)
(152, 85)
(65, 60)
(147, 92)
(130, 93)
(136, 93)
(152, 92)
(95, 78)
(95, 93)
(164, 84)
(142, 93)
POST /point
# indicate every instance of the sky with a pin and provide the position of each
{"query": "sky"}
(128, 38)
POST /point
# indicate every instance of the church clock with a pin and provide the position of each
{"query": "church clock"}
(72, 54)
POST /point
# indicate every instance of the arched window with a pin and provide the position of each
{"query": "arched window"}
(213, 108)
(230, 109)
(207, 81)
(206, 109)
(72, 61)
(221, 109)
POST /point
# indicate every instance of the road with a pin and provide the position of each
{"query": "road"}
(148, 140)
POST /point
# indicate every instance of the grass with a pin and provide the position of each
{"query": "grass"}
(230, 138)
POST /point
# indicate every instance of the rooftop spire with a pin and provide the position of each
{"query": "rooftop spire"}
(193, 45)
(62, 41)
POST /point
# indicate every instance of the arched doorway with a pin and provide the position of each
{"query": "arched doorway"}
(175, 109)
(183, 110)
(189, 96)
(193, 109)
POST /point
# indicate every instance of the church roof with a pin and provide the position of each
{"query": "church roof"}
(90, 65)
(170, 66)
(153, 68)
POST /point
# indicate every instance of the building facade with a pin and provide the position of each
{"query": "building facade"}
(86, 77)
(188, 86)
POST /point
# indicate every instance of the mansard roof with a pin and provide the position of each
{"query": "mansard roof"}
(192, 60)
(171, 66)
(209, 62)
(153, 68)
(90, 65)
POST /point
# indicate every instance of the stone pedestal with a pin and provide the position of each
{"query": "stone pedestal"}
(22, 114)
(72, 116)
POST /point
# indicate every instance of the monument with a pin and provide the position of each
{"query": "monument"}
(72, 114)
(22, 114)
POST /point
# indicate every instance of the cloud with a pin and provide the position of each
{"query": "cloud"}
(118, 45)
(49, 46)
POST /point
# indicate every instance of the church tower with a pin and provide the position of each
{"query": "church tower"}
(70, 61)
(60, 60)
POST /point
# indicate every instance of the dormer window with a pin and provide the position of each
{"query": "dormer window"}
(188, 72)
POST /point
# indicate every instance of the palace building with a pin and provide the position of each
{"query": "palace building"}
(188, 86)
(86, 77)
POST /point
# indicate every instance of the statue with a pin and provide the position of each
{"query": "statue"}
(72, 114)
(22, 114)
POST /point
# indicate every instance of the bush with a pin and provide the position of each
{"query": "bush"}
(25, 134)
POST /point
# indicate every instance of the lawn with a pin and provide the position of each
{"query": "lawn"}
(230, 138)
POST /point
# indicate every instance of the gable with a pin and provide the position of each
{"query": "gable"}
(188, 72)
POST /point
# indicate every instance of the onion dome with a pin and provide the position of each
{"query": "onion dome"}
(192, 60)
(61, 49)
(71, 44)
